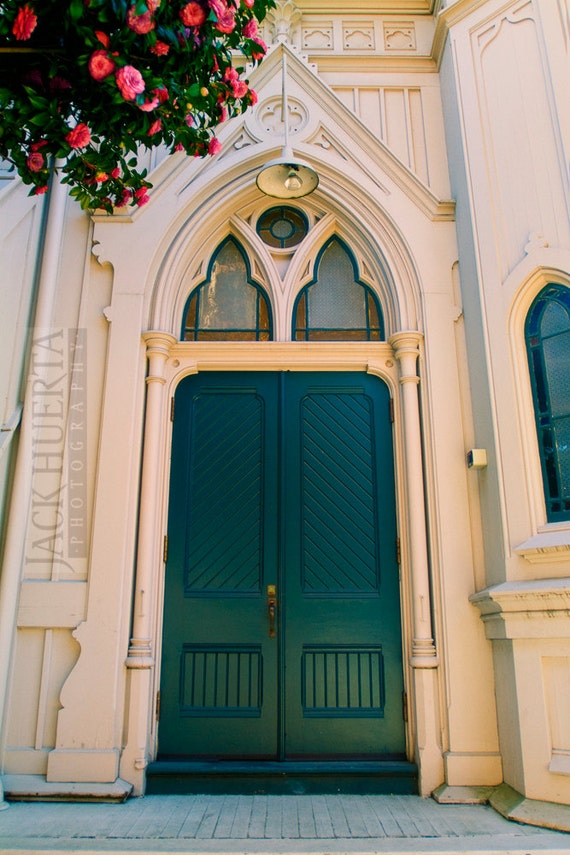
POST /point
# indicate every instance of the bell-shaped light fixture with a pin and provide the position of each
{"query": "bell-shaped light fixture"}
(286, 177)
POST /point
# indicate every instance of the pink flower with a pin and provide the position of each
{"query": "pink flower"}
(147, 106)
(214, 146)
(223, 113)
(35, 161)
(226, 17)
(130, 82)
(239, 88)
(159, 48)
(141, 196)
(140, 24)
(161, 93)
(152, 5)
(125, 198)
(155, 127)
(79, 136)
(193, 14)
(260, 51)
(179, 147)
(250, 29)
(24, 22)
(248, 3)
(115, 173)
(101, 177)
(100, 65)
(253, 96)
(102, 37)
(39, 191)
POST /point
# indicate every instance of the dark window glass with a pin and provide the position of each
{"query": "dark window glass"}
(336, 306)
(228, 306)
(548, 347)
(282, 227)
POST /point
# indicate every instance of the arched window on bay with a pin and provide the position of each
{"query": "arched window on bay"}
(547, 333)
(229, 305)
(336, 305)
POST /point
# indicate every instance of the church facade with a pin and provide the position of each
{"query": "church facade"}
(287, 480)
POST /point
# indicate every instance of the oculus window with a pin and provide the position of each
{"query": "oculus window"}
(547, 333)
(229, 305)
(282, 227)
(336, 306)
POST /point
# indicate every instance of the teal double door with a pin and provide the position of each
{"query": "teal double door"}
(281, 632)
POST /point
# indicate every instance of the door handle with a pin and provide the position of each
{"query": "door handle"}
(271, 608)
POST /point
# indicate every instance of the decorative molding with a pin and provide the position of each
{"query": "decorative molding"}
(401, 36)
(536, 240)
(284, 21)
(538, 608)
(321, 139)
(270, 116)
(318, 38)
(546, 547)
(358, 36)
(243, 140)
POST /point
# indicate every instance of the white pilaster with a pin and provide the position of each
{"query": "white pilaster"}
(423, 660)
(141, 657)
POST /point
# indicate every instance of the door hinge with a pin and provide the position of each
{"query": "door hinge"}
(157, 709)
(172, 409)
(398, 551)
(391, 404)
(165, 549)
(405, 705)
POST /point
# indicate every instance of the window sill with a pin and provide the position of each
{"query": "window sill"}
(546, 547)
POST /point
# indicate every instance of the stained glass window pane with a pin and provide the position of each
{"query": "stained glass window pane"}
(282, 227)
(226, 301)
(548, 346)
(228, 306)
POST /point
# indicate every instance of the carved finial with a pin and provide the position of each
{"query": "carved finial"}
(284, 21)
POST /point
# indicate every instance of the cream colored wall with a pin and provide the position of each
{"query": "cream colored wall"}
(366, 111)
(506, 68)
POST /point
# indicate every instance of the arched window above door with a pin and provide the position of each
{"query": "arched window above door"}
(336, 305)
(229, 305)
(547, 334)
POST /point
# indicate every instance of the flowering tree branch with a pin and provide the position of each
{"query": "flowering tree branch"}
(92, 81)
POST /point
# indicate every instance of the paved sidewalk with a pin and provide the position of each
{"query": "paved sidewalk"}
(270, 824)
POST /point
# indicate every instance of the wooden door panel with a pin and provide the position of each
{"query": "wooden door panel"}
(282, 479)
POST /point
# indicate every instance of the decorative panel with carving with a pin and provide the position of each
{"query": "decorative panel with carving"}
(358, 36)
(399, 37)
(226, 493)
(343, 682)
(218, 680)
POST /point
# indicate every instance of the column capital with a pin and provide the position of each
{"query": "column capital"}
(158, 343)
(406, 343)
(406, 351)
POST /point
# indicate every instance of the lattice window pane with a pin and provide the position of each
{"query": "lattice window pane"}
(336, 306)
(336, 299)
(556, 357)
